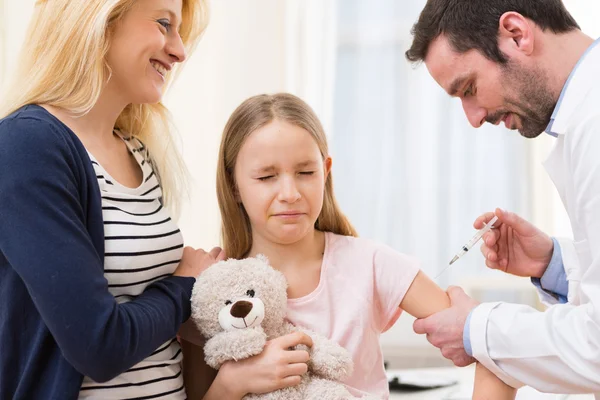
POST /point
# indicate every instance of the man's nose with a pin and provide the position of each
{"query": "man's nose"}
(475, 114)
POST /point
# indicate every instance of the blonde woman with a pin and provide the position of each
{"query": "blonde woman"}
(93, 286)
(276, 197)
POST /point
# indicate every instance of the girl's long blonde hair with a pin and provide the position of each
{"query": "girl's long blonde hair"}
(251, 115)
(63, 64)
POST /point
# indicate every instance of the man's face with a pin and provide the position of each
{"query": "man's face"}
(512, 93)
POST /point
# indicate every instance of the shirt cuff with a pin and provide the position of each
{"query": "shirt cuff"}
(554, 281)
(467, 336)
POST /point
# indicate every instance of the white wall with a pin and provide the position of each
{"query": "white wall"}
(241, 54)
(15, 18)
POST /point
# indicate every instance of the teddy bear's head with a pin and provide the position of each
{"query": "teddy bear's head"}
(239, 294)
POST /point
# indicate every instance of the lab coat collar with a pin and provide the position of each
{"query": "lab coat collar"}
(575, 88)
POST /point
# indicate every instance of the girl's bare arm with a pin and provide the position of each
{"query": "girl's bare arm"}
(425, 298)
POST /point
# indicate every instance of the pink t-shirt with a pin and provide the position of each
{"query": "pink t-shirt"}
(362, 285)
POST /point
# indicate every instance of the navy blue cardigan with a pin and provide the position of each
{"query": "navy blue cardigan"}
(58, 320)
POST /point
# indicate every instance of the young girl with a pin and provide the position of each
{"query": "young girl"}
(275, 192)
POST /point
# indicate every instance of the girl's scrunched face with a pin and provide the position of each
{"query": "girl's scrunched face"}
(144, 46)
(280, 176)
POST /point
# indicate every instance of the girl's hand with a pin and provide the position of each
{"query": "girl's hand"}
(277, 367)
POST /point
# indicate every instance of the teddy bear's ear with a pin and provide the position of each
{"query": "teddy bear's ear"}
(263, 258)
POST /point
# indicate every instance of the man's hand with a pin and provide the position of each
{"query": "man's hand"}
(514, 245)
(445, 329)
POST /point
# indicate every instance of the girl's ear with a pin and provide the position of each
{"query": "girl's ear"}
(327, 166)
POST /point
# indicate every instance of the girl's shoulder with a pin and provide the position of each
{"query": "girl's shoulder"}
(357, 248)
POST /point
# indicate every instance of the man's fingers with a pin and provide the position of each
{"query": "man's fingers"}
(513, 220)
(463, 361)
(489, 253)
(421, 326)
(455, 293)
(491, 238)
(483, 219)
(494, 265)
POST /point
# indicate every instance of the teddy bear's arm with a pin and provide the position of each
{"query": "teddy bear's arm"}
(234, 345)
(328, 359)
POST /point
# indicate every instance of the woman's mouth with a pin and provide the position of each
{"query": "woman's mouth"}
(161, 69)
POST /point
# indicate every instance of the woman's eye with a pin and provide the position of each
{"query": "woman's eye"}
(227, 302)
(250, 293)
(165, 23)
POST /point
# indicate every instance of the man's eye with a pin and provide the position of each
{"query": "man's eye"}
(469, 91)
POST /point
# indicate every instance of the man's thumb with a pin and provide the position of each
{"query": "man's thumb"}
(455, 293)
(514, 221)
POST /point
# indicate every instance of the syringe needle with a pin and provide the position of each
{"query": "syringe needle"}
(471, 243)
(442, 271)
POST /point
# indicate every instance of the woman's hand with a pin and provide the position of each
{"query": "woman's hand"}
(194, 262)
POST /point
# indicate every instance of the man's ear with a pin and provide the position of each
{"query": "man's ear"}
(516, 34)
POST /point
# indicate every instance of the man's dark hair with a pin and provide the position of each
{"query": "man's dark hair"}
(474, 24)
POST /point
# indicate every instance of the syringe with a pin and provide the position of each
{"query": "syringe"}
(472, 242)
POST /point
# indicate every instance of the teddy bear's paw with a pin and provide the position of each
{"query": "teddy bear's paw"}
(331, 361)
(234, 345)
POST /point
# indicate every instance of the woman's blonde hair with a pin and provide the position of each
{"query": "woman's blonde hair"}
(63, 64)
(251, 115)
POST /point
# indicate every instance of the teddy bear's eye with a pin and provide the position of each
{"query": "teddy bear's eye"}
(250, 293)
(227, 302)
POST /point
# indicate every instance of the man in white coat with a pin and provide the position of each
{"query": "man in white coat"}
(526, 63)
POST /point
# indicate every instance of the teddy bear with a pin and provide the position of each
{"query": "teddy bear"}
(238, 305)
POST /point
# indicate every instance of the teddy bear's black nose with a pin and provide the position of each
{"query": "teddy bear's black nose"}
(241, 309)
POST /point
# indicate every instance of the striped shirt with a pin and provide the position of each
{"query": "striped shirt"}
(142, 245)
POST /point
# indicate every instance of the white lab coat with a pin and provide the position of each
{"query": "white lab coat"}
(558, 351)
